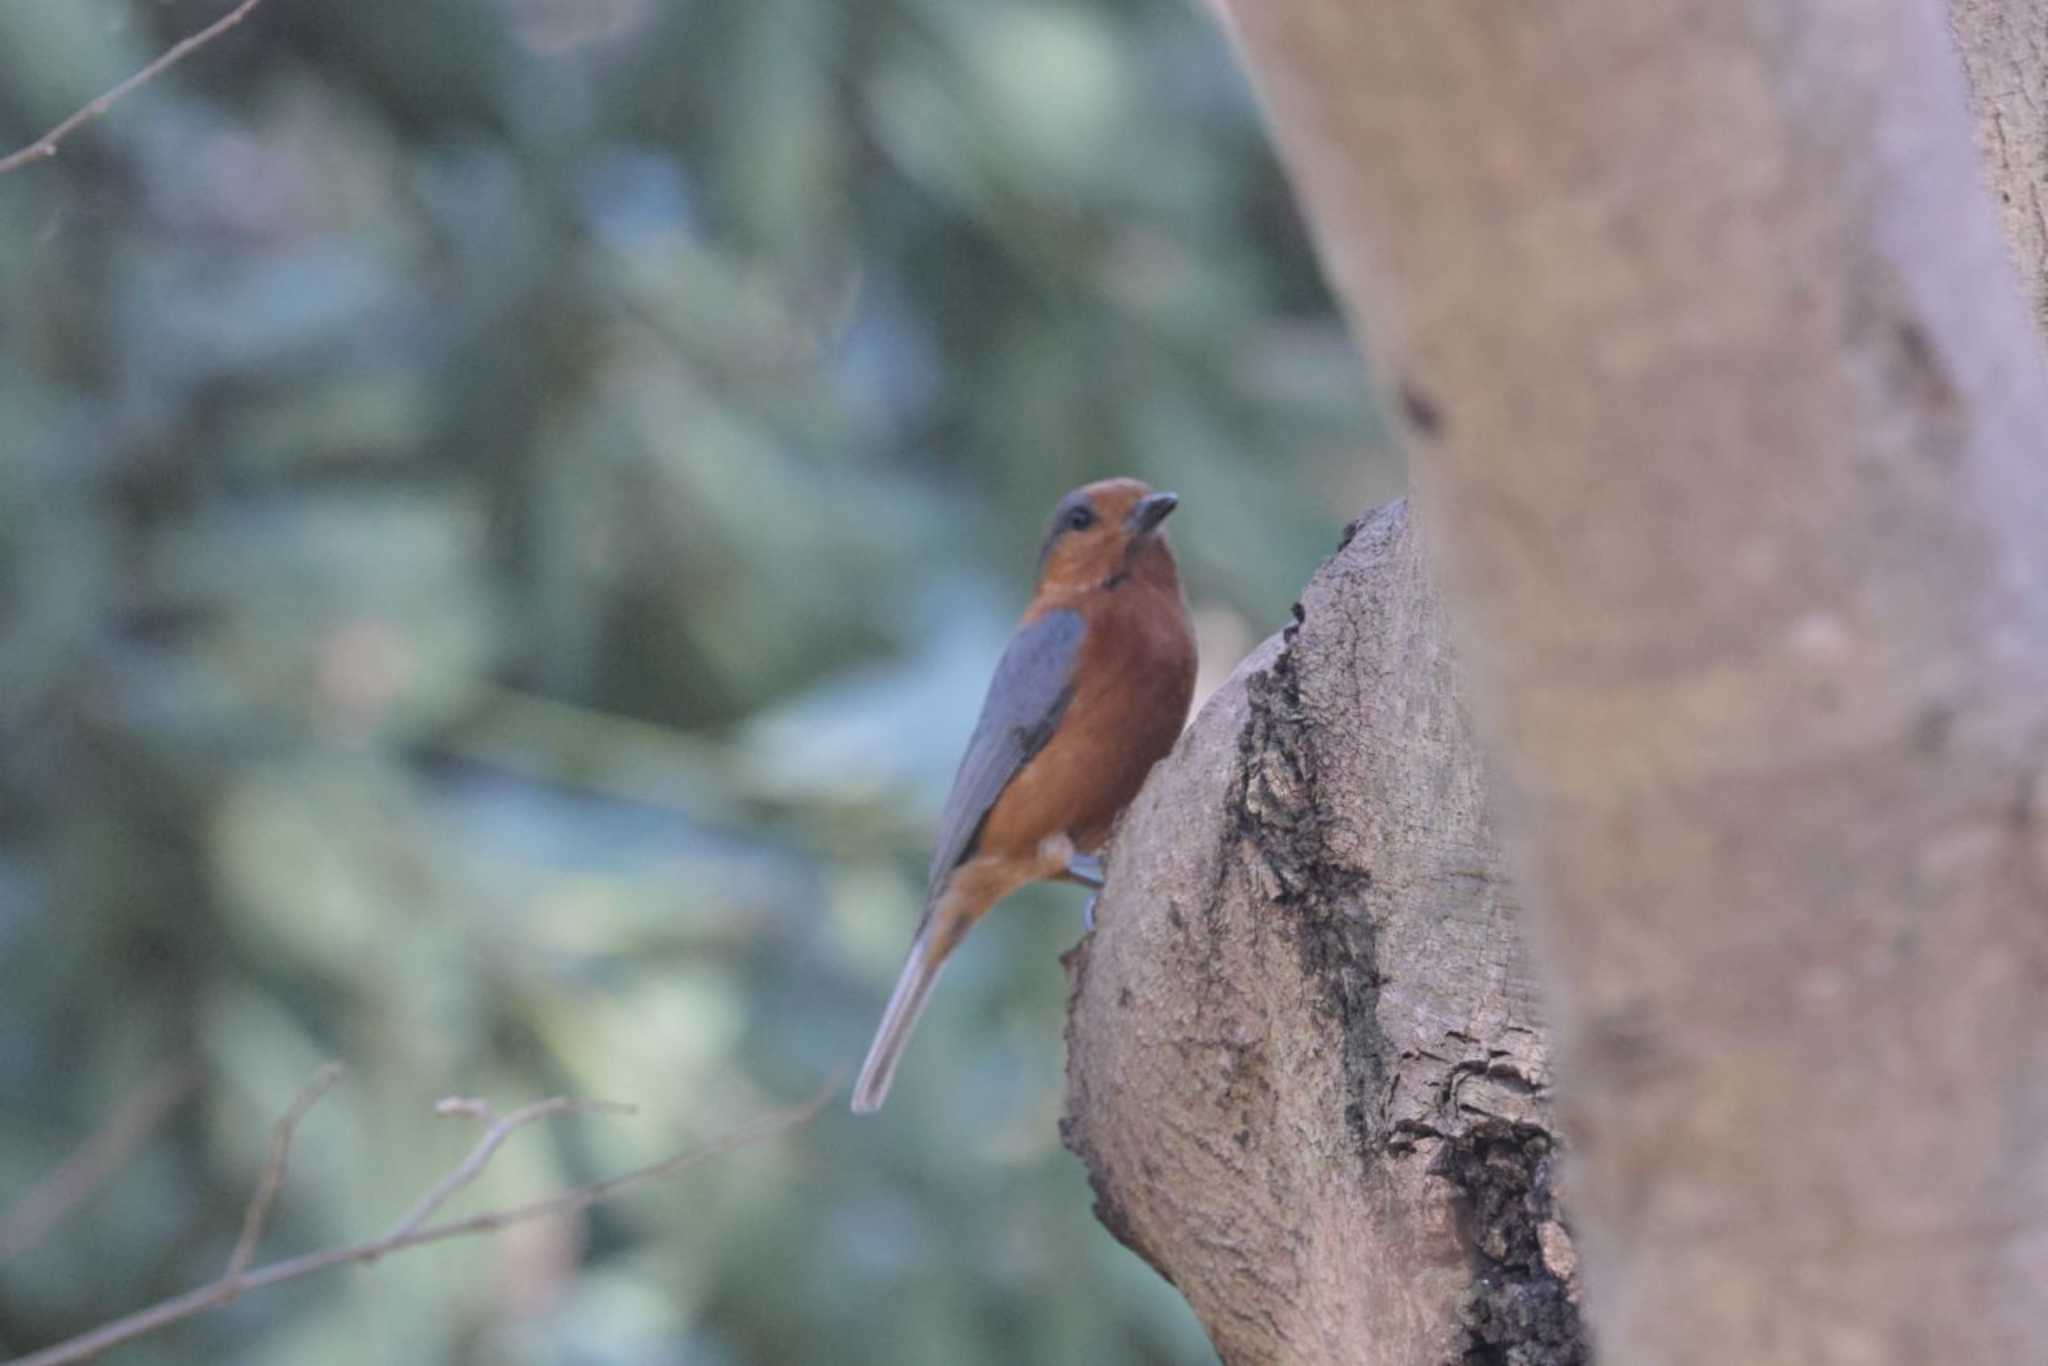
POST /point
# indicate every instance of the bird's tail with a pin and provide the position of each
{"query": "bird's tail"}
(906, 1003)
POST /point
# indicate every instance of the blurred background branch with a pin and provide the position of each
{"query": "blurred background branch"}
(413, 1229)
(45, 1204)
(257, 1217)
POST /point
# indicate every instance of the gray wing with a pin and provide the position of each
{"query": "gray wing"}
(1034, 682)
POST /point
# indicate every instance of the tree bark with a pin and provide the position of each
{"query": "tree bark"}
(2004, 46)
(1305, 1067)
(1728, 431)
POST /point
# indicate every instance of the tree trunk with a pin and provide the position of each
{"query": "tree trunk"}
(1728, 428)
(1305, 1069)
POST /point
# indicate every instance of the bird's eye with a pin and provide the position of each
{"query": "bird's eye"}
(1079, 517)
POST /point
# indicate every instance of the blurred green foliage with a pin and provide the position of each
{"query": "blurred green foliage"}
(506, 511)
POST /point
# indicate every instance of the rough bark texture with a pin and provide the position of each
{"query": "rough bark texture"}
(2004, 46)
(1305, 1068)
(1728, 424)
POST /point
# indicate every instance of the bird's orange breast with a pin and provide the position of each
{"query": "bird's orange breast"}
(1132, 685)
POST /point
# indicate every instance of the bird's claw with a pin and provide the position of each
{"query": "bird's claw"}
(1088, 913)
(1086, 869)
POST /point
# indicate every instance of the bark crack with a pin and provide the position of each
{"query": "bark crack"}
(1280, 809)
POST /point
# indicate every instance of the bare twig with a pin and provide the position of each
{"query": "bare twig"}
(480, 1155)
(46, 145)
(272, 1180)
(470, 1107)
(195, 1302)
(50, 1201)
(583, 1197)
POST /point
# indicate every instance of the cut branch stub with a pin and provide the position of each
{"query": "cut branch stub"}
(1305, 1068)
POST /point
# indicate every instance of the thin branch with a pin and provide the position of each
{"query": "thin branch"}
(52, 1200)
(583, 1197)
(258, 1213)
(46, 145)
(470, 1107)
(195, 1302)
(480, 1155)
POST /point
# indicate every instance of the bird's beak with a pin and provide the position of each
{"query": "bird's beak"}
(1149, 511)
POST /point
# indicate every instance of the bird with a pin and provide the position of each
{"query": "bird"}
(1092, 690)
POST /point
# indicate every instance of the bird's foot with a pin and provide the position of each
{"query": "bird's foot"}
(1088, 913)
(1085, 869)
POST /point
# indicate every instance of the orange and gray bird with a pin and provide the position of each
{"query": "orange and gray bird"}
(1092, 690)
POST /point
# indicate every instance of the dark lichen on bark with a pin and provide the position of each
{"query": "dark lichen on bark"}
(1520, 1310)
(1280, 807)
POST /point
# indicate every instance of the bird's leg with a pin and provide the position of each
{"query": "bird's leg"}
(1085, 869)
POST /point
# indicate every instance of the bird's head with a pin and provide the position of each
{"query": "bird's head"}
(1105, 533)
